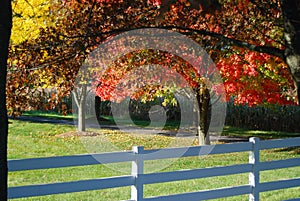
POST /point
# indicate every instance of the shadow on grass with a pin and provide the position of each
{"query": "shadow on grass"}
(108, 122)
(294, 150)
(245, 133)
(48, 115)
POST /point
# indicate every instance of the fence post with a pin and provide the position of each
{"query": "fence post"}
(137, 190)
(254, 174)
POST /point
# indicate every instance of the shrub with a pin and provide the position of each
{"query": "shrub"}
(272, 117)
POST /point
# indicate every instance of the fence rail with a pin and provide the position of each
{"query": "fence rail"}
(138, 178)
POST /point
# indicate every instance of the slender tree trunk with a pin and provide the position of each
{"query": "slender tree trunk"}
(79, 96)
(81, 117)
(82, 108)
(5, 30)
(291, 14)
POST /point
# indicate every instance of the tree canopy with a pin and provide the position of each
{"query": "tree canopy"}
(52, 59)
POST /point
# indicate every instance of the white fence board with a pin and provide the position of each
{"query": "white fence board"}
(270, 165)
(204, 195)
(280, 143)
(69, 161)
(281, 184)
(194, 174)
(196, 151)
(69, 187)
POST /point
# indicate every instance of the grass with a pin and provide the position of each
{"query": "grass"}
(28, 140)
(48, 114)
(241, 132)
(170, 125)
(107, 120)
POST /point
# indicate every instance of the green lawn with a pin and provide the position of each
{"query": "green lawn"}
(106, 119)
(47, 114)
(27, 140)
(240, 132)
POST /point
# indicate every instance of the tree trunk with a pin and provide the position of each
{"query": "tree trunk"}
(81, 108)
(203, 99)
(79, 96)
(97, 108)
(81, 117)
(5, 30)
(291, 14)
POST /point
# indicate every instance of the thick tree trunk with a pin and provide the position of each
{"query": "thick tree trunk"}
(5, 30)
(203, 99)
(291, 14)
(97, 108)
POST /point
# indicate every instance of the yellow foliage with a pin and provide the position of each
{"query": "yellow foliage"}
(28, 17)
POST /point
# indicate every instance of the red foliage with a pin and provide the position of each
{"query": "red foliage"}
(119, 81)
(256, 78)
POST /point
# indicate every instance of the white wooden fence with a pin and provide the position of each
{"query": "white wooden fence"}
(138, 179)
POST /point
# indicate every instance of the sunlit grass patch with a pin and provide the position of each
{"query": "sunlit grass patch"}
(27, 140)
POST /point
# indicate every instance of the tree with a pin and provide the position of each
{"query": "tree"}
(81, 90)
(5, 31)
(254, 25)
(264, 26)
(35, 79)
(257, 26)
(133, 75)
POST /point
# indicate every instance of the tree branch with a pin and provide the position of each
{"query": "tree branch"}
(188, 31)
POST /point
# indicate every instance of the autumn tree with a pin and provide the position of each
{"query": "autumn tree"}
(136, 75)
(257, 26)
(57, 54)
(253, 25)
